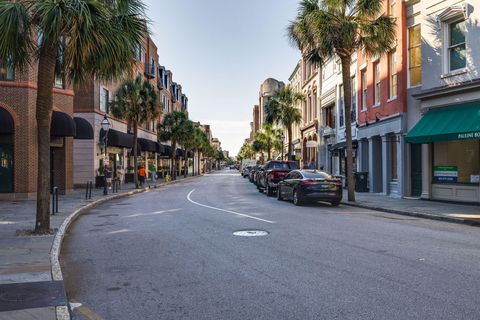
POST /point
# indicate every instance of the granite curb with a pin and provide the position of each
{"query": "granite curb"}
(416, 214)
(62, 312)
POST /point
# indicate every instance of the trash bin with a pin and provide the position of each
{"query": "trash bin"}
(361, 181)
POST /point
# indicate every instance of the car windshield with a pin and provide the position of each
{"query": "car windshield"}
(316, 175)
(283, 165)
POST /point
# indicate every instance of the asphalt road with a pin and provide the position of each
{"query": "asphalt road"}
(171, 254)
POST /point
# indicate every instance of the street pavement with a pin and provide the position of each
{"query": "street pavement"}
(172, 254)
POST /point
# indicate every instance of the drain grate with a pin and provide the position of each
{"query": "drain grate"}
(250, 233)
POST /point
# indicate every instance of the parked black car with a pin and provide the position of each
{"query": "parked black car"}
(253, 173)
(310, 185)
(274, 172)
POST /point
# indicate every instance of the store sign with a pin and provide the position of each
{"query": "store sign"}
(445, 173)
(470, 135)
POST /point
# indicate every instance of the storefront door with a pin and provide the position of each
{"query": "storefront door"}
(416, 174)
(6, 168)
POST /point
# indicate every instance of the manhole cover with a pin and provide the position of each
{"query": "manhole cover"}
(250, 233)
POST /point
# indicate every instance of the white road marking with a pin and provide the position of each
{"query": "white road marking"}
(151, 213)
(228, 211)
(119, 231)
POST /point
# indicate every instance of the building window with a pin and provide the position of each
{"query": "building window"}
(330, 117)
(7, 71)
(392, 7)
(393, 82)
(393, 158)
(354, 99)
(341, 107)
(104, 100)
(138, 52)
(415, 55)
(456, 161)
(456, 45)
(376, 79)
(363, 75)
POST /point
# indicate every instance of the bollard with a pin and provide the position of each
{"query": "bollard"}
(167, 177)
(55, 200)
(90, 192)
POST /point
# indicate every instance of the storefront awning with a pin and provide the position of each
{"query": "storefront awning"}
(62, 125)
(159, 148)
(166, 152)
(147, 145)
(84, 130)
(7, 125)
(343, 145)
(459, 122)
(180, 153)
(117, 139)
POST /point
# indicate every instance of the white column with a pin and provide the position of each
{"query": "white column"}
(426, 172)
(401, 164)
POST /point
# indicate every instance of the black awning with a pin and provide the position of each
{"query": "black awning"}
(84, 129)
(167, 150)
(180, 153)
(159, 148)
(7, 126)
(343, 145)
(147, 145)
(62, 125)
(117, 139)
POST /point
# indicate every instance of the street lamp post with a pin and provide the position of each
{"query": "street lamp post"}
(105, 124)
(283, 144)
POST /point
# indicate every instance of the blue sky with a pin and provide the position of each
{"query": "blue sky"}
(220, 51)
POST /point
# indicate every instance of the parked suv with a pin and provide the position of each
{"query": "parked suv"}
(274, 172)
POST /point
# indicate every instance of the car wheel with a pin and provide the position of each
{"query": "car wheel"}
(335, 203)
(296, 198)
(279, 194)
(268, 192)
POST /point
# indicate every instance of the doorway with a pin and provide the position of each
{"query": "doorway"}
(416, 173)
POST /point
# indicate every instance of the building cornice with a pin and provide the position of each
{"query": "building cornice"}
(33, 85)
(448, 90)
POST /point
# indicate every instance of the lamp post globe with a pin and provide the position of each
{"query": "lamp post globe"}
(105, 124)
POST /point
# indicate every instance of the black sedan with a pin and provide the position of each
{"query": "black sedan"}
(310, 185)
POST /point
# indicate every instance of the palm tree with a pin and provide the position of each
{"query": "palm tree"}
(172, 129)
(137, 102)
(328, 28)
(268, 136)
(97, 41)
(282, 110)
(188, 142)
(246, 151)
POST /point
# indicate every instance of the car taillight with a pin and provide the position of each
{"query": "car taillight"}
(337, 183)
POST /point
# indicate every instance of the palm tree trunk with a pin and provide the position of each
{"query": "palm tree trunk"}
(135, 154)
(269, 152)
(172, 157)
(45, 79)
(289, 132)
(347, 93)
(185, 165)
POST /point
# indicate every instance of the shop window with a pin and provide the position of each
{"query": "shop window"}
(456, 161)
(376, 79)
(329, 117)
(415, 55)
(393, 82)
(456, 45)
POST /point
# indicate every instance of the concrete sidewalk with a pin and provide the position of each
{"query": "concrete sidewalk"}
(27, 288)
(436, 210)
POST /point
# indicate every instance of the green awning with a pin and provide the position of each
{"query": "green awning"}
(458, 122)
